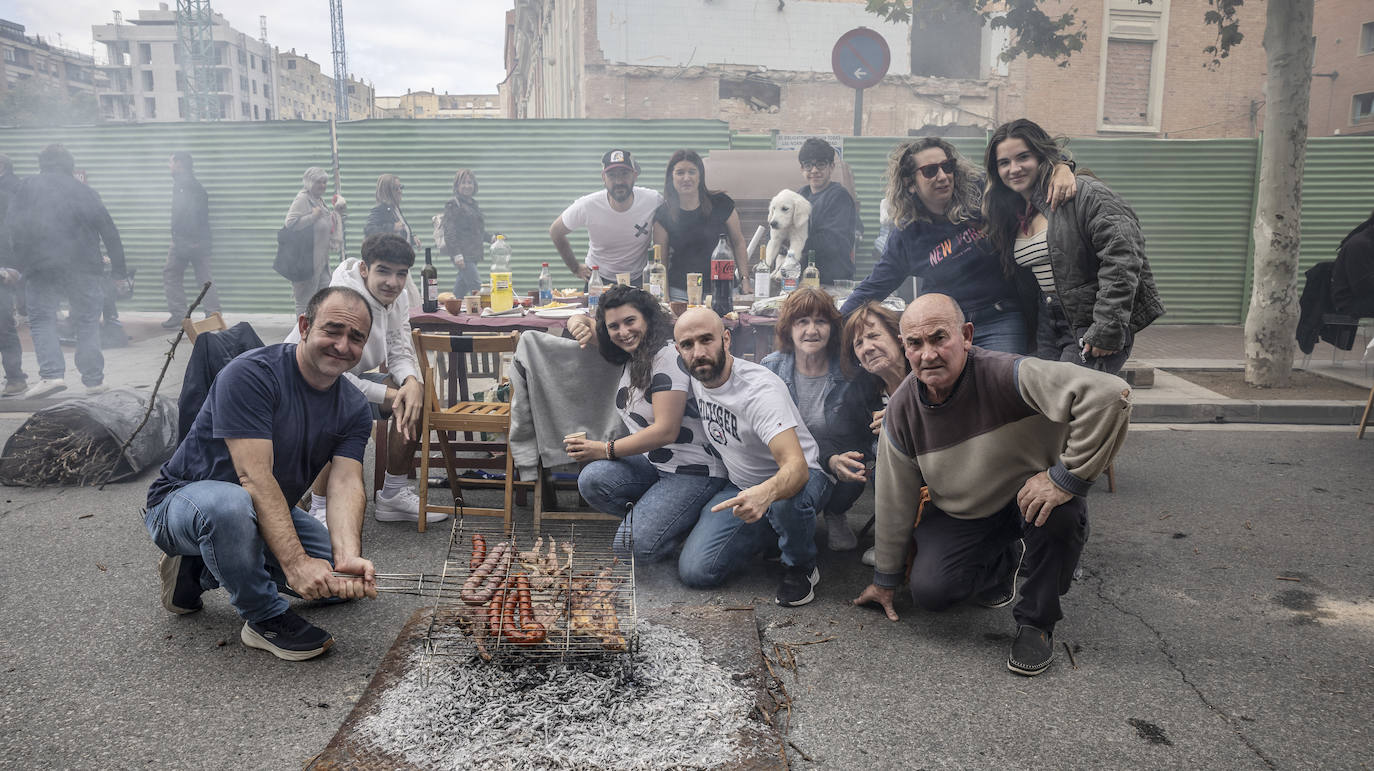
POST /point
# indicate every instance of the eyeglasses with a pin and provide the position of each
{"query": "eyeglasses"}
(813, 165)
(930, 169)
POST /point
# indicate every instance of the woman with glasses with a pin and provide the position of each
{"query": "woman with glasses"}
(386, 216)
(1087, 257)
(834, 215)
(935, 197)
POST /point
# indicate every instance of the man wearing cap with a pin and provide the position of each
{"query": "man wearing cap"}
(619, 222)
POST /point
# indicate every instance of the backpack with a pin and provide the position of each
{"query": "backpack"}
(439, 232)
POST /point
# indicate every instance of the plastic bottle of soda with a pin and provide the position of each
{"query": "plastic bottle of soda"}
(545, 285)
(594, 289)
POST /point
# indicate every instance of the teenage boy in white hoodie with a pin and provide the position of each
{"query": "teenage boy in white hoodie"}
(382, 276)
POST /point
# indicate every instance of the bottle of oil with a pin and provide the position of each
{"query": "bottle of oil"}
(502, 295)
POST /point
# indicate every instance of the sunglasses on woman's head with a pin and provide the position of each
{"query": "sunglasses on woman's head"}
(929, 170)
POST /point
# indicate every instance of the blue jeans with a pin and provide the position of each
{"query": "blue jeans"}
(722, 543)
(998, 330)
(11, 353)
(666, 506)
(85, 293)
(216, 521)
(467, 281)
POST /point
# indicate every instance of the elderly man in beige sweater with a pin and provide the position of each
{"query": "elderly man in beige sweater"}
(1007, 447)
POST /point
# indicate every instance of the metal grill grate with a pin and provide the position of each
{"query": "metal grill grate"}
(561, 596)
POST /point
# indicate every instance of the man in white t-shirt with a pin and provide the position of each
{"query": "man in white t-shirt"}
(619, 222)
(776, 483)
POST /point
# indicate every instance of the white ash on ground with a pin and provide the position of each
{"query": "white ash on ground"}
(681, 711)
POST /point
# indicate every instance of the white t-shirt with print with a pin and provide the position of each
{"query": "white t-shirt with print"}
(743, 415)
(617, 242)
(690, 453)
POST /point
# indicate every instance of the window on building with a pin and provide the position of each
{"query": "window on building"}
(147, 80)
(181, 81)
(181, 107)
(176, 53)
(255, 112)
(1362, 108)
(290, 64)
(244, 110)
(1132, 66)
(149, 107)
(266, 91)
(1367, 38)
(951, 48)
(145, 53)
(255, 87)
(267, 113)
(243, 83)
(252, 62)
(9, 55)
(243, 57)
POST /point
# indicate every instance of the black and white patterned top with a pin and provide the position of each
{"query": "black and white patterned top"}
(691, 453)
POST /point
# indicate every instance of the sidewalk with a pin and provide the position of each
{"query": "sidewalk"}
(1168, 349)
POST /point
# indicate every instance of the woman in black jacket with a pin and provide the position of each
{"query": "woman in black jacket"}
(465, 233)
(386, 216)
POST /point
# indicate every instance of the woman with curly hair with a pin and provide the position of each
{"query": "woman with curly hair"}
(663, 468)
(1083, 262)
(935, 198)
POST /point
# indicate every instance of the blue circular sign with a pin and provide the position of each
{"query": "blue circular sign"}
(860, 58)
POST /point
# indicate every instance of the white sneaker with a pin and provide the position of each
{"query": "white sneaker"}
(838, 534)
(870, 557)
(318, 513)
(404, 506)
(46, 387)
(96, 389)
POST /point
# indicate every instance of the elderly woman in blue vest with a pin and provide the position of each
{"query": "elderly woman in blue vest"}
(836, 408)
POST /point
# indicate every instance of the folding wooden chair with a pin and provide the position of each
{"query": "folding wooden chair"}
(211, 323)
(462, 416)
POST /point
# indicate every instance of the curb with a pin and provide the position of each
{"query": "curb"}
(1334, 413)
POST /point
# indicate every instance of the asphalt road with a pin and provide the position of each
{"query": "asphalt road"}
(1191, 649)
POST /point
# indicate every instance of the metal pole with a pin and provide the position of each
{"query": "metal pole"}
(858, 112)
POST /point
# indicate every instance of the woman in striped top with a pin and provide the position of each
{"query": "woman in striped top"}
(1086, 258)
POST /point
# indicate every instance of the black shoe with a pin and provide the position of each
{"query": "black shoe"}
(796, 587)
(173, 322)
(1031, 651)
(287, 636)
(1001, 594)
(180, 583)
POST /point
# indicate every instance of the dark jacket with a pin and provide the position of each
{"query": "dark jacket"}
(56, 224)
(465, 230)
(831, 230)
(210, 353)
(849, 406)
(1101, 274)
(190, 213)
(1352, 278)
(383, 219)
(9, 183)
(956, 260)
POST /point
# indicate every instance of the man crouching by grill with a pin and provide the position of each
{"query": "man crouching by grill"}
(222, 507)
(776, 483)
(1007, 447)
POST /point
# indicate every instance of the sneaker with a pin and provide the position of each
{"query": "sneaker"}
(45, 387)
(180, 578)
(1031, 651)
(15, 388)
(838, 535)
(1004, 591)
(797, 585)
(287, 637)
(172, 322)
(404, 506)
(870, 557)
(96, 389)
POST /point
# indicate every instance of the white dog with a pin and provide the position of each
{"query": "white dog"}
(788, 218)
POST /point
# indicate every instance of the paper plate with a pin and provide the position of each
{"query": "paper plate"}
(560, 313)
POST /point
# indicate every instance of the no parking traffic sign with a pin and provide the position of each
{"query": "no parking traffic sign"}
(860, 58)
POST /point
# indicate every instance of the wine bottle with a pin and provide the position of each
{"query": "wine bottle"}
(430, 278)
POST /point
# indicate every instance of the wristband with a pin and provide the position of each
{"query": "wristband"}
(610, 449)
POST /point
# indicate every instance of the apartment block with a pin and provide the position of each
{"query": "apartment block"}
(306, 93)
(24, 58)
(428, 104)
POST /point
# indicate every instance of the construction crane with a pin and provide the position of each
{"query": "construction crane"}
(336, 27)
(196, 36)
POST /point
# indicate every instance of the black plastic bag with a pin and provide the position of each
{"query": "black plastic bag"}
(77, 441)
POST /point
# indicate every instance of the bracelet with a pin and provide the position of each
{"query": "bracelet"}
(610, 449)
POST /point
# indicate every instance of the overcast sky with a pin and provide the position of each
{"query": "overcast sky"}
(446, 45)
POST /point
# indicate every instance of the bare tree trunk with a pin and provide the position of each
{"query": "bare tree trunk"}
(1272, 323)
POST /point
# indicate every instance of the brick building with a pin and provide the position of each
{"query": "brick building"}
(304, 92)
(1343, 69)
(429, 104)
(763, 65)
(26, 58)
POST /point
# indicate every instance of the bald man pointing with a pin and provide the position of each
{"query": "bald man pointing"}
(776, 483)
(1007, 446)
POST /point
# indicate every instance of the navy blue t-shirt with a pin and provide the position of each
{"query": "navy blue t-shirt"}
(262, 395)
(957, 260)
